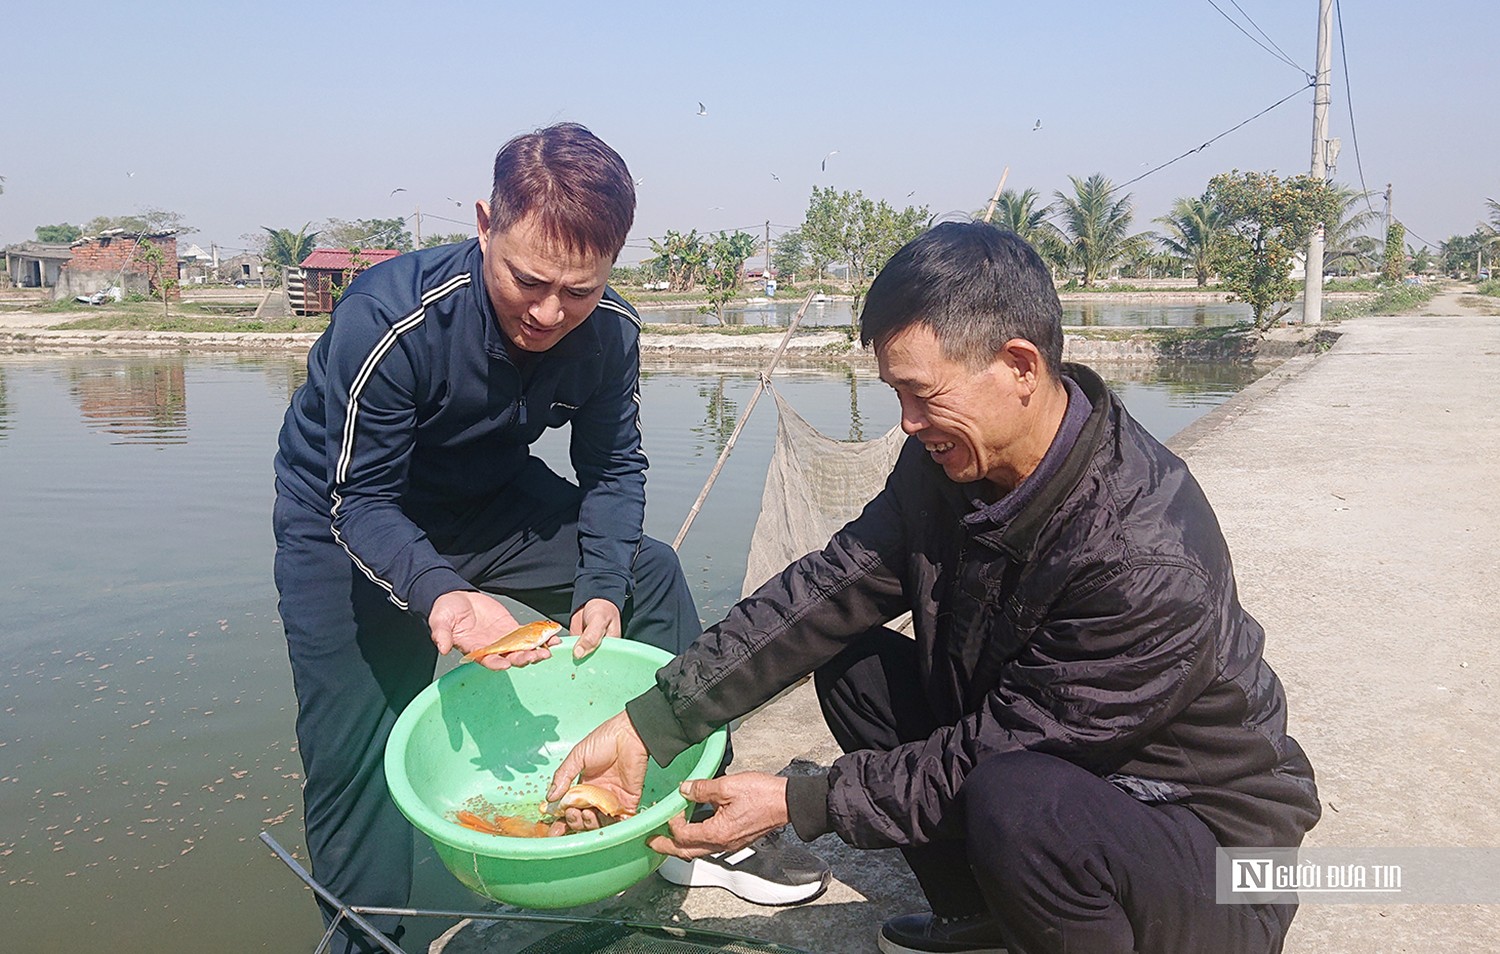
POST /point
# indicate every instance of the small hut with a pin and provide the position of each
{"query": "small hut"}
(327, 271)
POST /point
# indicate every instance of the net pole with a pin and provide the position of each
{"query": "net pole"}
(765, 377)
(1005, 174)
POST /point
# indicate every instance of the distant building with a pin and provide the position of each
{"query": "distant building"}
(113, 258)
(324, 274)
(36, 264)
(246, 267)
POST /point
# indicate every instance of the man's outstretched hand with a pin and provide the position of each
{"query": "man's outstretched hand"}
(594, 620)
(748, 805)
(466, 620)
(612, 757)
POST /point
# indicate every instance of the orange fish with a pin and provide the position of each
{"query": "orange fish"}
(588, 796)
(529, 636)
(507, 825)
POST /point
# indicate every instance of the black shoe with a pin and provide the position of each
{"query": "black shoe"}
(767, 871)
(930, 934)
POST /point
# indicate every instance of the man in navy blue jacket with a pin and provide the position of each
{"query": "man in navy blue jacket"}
(407, 494)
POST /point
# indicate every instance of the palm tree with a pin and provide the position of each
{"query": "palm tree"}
(286, 249)
(1095, 225)
(1018, 212)
(1343, 239)
(1193, 227)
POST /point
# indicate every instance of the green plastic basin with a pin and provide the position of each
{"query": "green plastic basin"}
(500, 736)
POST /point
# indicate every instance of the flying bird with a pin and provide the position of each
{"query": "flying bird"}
(702, 110)
(824, 164)
(394, 191)
(911, 193)
(454, 201)
(776, 177)
(1037, 126)
(130, 175)
(639, 181)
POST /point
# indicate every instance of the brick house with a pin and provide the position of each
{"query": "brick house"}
(327, 270)
(114, 258)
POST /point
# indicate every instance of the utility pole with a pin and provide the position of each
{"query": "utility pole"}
(1312, 296)
(1388, 218)
(768, 248)
(419, 226)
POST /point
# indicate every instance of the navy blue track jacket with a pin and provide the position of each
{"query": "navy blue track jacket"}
(413, 414)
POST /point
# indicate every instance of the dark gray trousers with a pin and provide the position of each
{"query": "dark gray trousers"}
(1062, 859)
(357, 660)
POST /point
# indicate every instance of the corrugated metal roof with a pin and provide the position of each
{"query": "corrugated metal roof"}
(60, 251)
(341, 258)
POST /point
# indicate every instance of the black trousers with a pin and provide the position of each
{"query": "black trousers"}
(1063, 860)
(357, 660)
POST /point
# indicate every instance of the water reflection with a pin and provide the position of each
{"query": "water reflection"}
(139, 403)
(4, 408)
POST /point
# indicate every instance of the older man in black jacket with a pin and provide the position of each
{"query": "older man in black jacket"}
(1084, 714)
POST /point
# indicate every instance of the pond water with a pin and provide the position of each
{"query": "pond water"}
(839, 312)
(148, 713)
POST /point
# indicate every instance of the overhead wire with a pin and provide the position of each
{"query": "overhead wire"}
(1280, 56)
(1251, 21)
(1349, 99)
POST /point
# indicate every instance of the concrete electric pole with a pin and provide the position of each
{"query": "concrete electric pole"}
(1312, 296)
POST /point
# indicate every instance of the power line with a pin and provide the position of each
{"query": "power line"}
(1210, 142)
(1263, 33)
(1280, 56)
(1349, 98)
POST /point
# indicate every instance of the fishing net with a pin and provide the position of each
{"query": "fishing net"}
(814, 486)
(604, 937)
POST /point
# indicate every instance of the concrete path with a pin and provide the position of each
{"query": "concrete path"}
(1358, 491)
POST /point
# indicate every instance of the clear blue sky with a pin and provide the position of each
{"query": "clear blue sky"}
(244, 115)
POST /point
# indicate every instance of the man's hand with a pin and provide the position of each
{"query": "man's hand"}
(592, 622)
(749, 805)
(466, 620)
(612, 757)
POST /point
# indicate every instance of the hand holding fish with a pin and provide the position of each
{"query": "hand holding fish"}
(612, 760)
(472, 621)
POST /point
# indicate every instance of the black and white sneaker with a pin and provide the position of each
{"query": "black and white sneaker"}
(930, 934)
(767, 871)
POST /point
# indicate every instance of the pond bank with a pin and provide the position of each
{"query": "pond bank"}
(663, 346)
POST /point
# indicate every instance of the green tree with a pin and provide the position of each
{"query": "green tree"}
(726, 256)
(1460, 252)
(1346, 247)
(1422, 260)
(1018, 212)
(681, 257)
(366, 234)
(1193, 227)
(161, 275)
(452, 238)
(1095, 225)
(62, 232)
(848, 227)
(789, 255)
(1267, 221)
(1393, 270)
(286, 249)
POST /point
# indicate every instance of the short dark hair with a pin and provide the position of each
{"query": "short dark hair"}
(578, 188)
(975, 286)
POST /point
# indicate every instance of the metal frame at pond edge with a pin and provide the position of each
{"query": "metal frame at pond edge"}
(355, 914)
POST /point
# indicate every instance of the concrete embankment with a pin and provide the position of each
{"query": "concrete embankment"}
(1357, 492)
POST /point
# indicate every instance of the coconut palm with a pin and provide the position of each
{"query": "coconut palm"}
(286, 249)
(1193, 226)
(1019, 212)
(1095, 225)
(1344, 241)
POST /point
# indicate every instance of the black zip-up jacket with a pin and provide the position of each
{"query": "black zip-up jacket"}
(414, 415)
(1099, 624)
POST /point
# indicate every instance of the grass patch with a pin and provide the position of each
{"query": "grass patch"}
(106, 321)
(727, 330)
(1491, 288)
(1394, 300)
